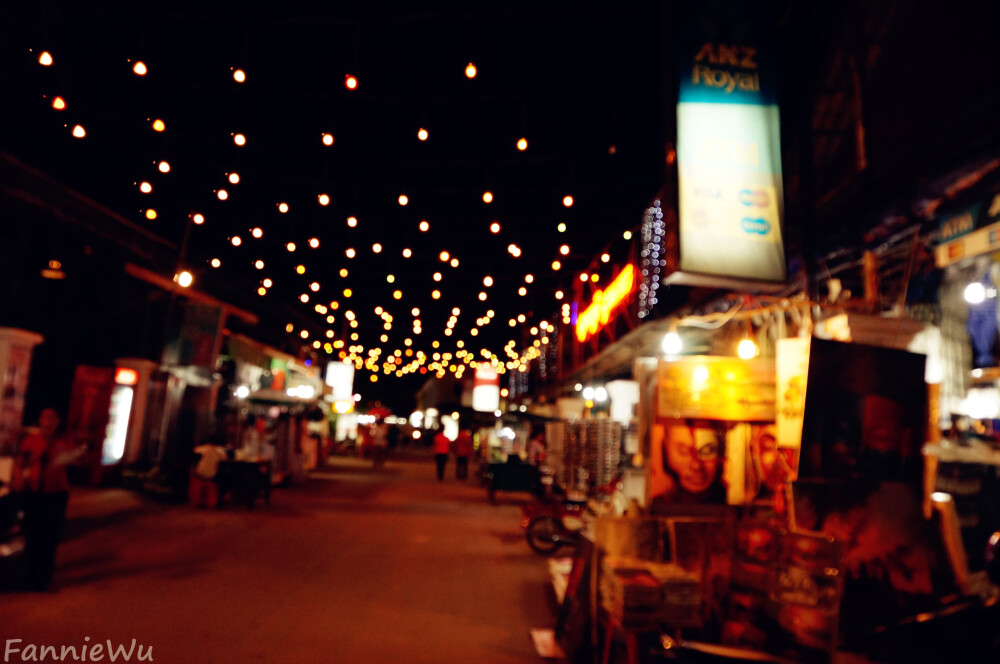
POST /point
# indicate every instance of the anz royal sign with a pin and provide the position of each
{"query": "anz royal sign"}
(730, 199)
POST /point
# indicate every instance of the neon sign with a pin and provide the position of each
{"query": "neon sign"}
(604, 303)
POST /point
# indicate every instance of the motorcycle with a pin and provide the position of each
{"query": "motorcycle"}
(550, 526)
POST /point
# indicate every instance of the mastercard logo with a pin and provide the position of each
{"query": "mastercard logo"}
(754, 198)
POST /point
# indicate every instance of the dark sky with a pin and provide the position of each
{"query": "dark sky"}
(581, 84)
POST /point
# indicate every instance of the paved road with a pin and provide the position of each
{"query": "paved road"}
(355, 566)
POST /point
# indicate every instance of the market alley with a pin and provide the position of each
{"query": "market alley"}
(357, 565)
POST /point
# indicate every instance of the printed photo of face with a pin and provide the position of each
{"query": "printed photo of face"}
(693, 454)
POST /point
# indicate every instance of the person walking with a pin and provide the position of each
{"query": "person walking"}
(40, 477)
(380, 444)
(463, 450)
(442, 446)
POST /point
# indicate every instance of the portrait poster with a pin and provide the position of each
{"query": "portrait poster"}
(686, 462)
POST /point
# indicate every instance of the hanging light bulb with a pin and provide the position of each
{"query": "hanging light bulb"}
(568, 201)
(522, 144)
(672, 344)
(470, 70)
(422, 134)
(139, 68)
(746, 349)
(350, 82)
(327, 139)
(45, 58)
(59, 104)
(239, 76)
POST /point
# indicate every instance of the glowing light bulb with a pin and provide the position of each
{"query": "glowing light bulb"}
(185, 279)
(350, 82)
(529, 278)
(746, 349)
(482, 296)
(150, 214)
(314, 242)
(584, 277)
(424, 226)
(453, 262)
(350, 253)
(343, 272)
(222, 194)
(470, 70)
(140, 68)
(403, 199)
(422, 134)
(672, 344)
(327, 139)
(627, 235)
(559, 295)
(436, 294)
(145, 187)
(437, 276)
(407, 253)
(239, 76)
(377, 248)
(495, 227)
(163, 167)
(352, 222)
(159, 125)
(487, 197)
(324, 199)
(568, 201)
(239, 139)
(267, 283)
(237, 240)
(257, 232)
(561, 228)
(398, 295)
(522, 291)
(216, 262)
(314, 286)
(605, 258)
(79, 131)
(282, 208)
(522, 144)
(259, 264)
(59, 104)
(487, 281)
(45, 59)
(290, 246)
(444, 256)
(564, 250)
(198, 218)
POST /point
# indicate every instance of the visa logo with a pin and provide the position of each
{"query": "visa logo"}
(759, 226)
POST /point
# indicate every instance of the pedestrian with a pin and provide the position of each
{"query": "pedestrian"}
(442, 445)
(203, 491)
(40, 477)
(380, 443)
(463, 450)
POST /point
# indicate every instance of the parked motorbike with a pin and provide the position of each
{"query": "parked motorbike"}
(550, 526)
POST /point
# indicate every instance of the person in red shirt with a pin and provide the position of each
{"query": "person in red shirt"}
(40, 476)
(463, 450)
(442, 446)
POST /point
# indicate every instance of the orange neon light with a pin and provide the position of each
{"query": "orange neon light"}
(124, 376)
(604, 303)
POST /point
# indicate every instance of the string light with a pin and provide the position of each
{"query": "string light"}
(163, 167)
(239, 139)
(45, 59)
(424, 226)
(568, 201)
(422, 134)
(158, 124)
(470, 70)
(59, 104)
(257, 232)
(283, 208)
(487, 197)
(403, 199)
(234, 178)
(352, 222)
(407, 253)
(216, 262)
(198, 218)
(222, 194)
(79, 131)
(145, 187)
(495, 227)
(323, 199)
(377, 248)
(522, 144)
(605, 258)
(314, 242)
(140, 68)
(327, 139)
(290, 246)
(237, 240)
(350, 82)
(239, 76)
(564, 250)
(150, 214)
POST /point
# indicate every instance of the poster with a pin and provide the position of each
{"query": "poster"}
(792, 367)
(716, 388)
(686, 463)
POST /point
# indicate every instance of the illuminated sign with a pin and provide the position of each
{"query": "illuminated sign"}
(124, 376)
(486, 390)
(730, 199)
(597, 315)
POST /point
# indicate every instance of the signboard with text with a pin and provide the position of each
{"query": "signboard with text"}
(730, 195)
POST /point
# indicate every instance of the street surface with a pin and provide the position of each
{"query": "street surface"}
(357, 565)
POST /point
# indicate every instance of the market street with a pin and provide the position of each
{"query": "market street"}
(357, 565)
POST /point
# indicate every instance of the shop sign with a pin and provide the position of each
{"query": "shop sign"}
(486, 390)
(973, 244)
(728, 151)
(340, 377)
(716, 388)
(604, 303)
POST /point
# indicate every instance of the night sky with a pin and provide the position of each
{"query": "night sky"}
(581, 85)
